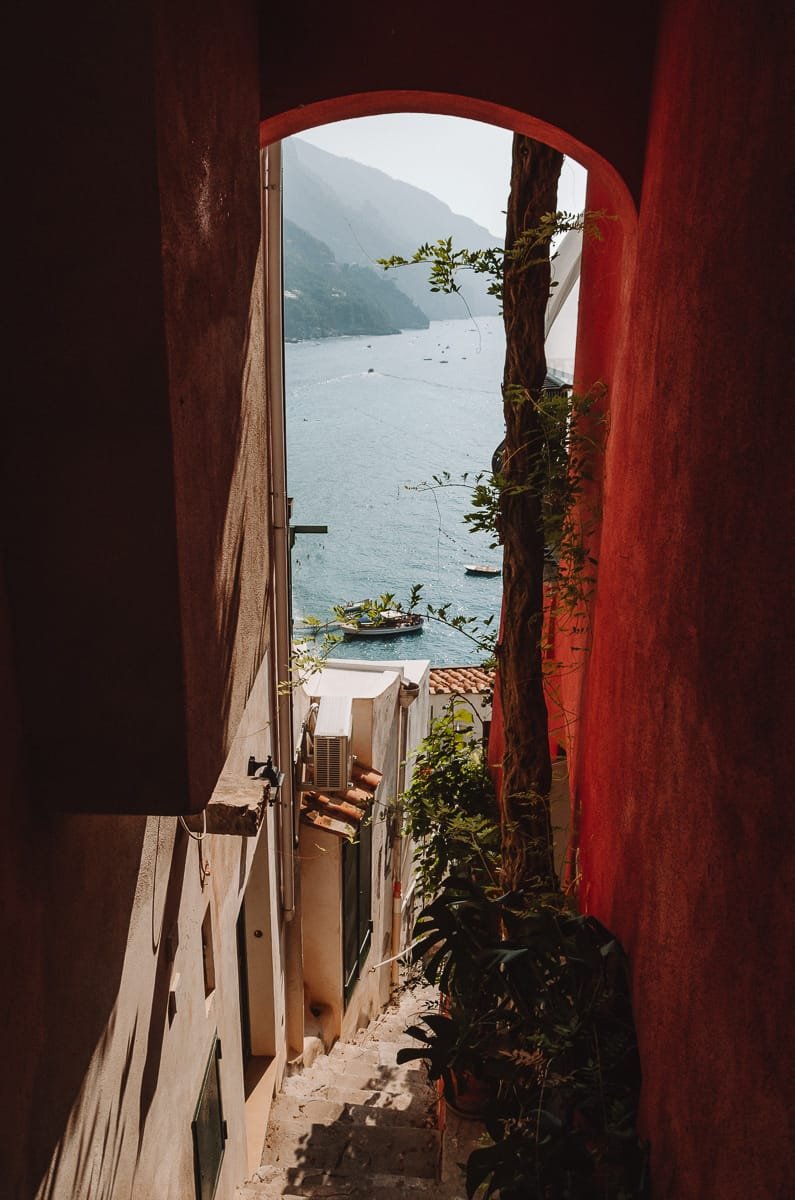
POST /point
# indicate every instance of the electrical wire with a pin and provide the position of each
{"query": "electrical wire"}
(197, 837)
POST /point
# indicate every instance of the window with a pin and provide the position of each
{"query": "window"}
(209, 1128)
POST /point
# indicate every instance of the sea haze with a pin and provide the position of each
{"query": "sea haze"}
(369, 419)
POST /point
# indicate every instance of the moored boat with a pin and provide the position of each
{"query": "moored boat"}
(388, 623)
(481, 569)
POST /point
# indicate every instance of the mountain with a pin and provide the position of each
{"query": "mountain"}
(362, 214)
(324, 298)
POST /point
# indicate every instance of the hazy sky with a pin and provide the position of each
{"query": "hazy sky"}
(465, 163)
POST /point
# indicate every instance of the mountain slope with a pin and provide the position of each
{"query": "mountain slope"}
(363, 214)
(324, 298)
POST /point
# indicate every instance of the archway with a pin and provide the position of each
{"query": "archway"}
(603, 313)
(605, 264)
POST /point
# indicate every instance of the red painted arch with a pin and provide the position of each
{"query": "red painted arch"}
(379, 103)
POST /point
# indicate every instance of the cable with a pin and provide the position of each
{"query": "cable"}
(197, 837)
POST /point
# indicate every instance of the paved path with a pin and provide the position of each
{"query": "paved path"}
(356, 1126)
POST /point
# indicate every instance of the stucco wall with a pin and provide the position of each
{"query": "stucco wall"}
(101, 914)
(321, 923)
(375, 696)
(135, 443)
(514, 58)
(471, 703)
(134, 625)
(687, 839)
(375, 689)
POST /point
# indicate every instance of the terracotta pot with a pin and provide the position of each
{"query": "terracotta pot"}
(471, 1094)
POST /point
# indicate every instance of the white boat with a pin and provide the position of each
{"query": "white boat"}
(389, 623)
(481, 569)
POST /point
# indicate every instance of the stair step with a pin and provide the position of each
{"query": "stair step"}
(409, 1103)
(414, 1099)
(291, 1113)
(348, 1149)
(350, 1053)
(382, 1054)
(395, 1030)
(375, 1079)
(298, 1183)
(355, 1125)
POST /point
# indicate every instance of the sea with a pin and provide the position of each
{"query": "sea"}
(370, 422)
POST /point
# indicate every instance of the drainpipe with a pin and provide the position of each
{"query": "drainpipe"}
(280, 621)
(281, 626)
(407, 695)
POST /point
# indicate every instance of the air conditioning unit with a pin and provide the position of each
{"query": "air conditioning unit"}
(332, 743)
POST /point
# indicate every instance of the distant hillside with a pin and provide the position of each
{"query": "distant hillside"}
(363, 214)
(324, 298)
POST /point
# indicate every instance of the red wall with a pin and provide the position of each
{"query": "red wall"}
(686, 758)
(585, 78)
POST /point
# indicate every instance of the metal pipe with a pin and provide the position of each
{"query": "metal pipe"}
(271, 181)
(397, 914)
(407, 695)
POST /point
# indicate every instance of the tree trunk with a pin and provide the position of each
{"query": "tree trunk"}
(526, 824)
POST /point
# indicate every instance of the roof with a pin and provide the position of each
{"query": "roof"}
(464, 680)
(342, 812)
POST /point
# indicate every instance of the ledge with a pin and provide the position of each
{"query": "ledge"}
(236, 807)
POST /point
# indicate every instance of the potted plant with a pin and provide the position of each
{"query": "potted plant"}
(539, 1010)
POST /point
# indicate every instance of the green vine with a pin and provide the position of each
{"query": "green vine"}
(573, 436)
(536, 998)
(573, 426)
(450, 808)
(529, 250)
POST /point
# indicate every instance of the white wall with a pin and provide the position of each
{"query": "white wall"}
(375, 689)
(472, 702)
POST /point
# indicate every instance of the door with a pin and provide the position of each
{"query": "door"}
(357, 925)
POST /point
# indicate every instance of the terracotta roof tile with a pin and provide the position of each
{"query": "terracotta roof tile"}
(342, 812)
(466, 680)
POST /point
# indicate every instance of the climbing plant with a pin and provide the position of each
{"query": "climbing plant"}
(450, 809)
(573, 430)
(531, 500)
(529, 248)
(536, 996)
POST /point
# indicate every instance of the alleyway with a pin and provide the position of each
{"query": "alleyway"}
(356, 1126)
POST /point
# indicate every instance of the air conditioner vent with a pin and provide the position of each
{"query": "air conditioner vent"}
(332, 743)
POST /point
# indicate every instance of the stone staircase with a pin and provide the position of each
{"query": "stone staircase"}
(356, 1126)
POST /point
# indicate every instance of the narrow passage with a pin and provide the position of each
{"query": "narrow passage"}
(357, 1126)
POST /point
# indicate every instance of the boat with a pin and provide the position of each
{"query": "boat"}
(389, 623)
(312, 627)
(352, 608)
(481, 569)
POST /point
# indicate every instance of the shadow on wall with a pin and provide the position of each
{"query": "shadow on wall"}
(91, 893)
(162, 978)
(73, 882)
(243, 555)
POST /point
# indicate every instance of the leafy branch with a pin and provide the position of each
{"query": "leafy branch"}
(530, 249)
(450, 808)
(573, 430)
